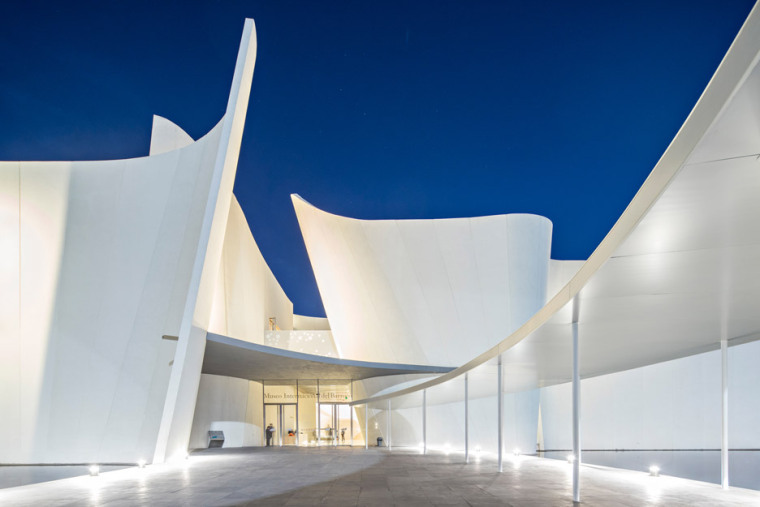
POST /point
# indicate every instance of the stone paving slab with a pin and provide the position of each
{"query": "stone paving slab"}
(375, 477)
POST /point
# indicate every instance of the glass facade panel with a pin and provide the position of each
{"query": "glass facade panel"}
(335, 391)
(312, 412)
(280, 391)
(272, 420)
(343, 418)
(289, 425)
(281, 424)
(307, 412)
(327, 424)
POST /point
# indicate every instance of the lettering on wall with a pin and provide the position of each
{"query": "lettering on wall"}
(330, 396)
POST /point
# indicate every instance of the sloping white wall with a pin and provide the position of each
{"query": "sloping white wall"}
(245, 296)
(426, 291)
(100, 260)
(96, 262)
(179, 406)
(246, 293)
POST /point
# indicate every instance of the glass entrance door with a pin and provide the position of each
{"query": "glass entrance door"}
(282, 416)
(335, 424)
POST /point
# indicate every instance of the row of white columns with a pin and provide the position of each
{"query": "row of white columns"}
(576, 392)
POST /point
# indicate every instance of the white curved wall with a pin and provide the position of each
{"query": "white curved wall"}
(99, 261)
(426, 291)
(96, 264)
(246, 293)
(245, 296)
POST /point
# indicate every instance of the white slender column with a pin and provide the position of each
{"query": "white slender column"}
(366, 426)
(263, 414)
(352, 413)
(724, 415)
(576, 406)
(466, 419)
(389, 426)
(501, 414)
(424, 421)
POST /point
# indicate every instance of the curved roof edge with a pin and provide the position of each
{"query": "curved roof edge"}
(733, 70)
(299, 201)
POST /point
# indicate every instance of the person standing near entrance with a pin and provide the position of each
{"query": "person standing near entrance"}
(270, 434)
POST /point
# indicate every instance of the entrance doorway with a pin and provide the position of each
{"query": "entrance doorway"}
(311, 412)
(283, 417)
(336, 426)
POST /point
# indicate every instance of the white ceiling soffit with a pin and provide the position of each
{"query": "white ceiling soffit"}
(230, 357)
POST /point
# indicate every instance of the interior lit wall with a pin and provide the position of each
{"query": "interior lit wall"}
(302, 322)
(320, 343)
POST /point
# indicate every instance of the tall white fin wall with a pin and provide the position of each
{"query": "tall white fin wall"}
(246, 294)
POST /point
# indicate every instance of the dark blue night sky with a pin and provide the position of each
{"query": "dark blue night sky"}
(376, 109)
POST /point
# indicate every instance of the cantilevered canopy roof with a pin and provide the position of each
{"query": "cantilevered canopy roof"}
(680, 270)
(237, 358)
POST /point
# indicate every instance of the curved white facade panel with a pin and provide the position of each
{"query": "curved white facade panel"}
(99, 261)
(426, 291)
(246, 293)
(97, 258)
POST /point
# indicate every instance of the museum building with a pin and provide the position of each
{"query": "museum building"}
(139, 318)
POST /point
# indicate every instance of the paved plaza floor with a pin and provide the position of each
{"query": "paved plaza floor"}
(374, 477)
